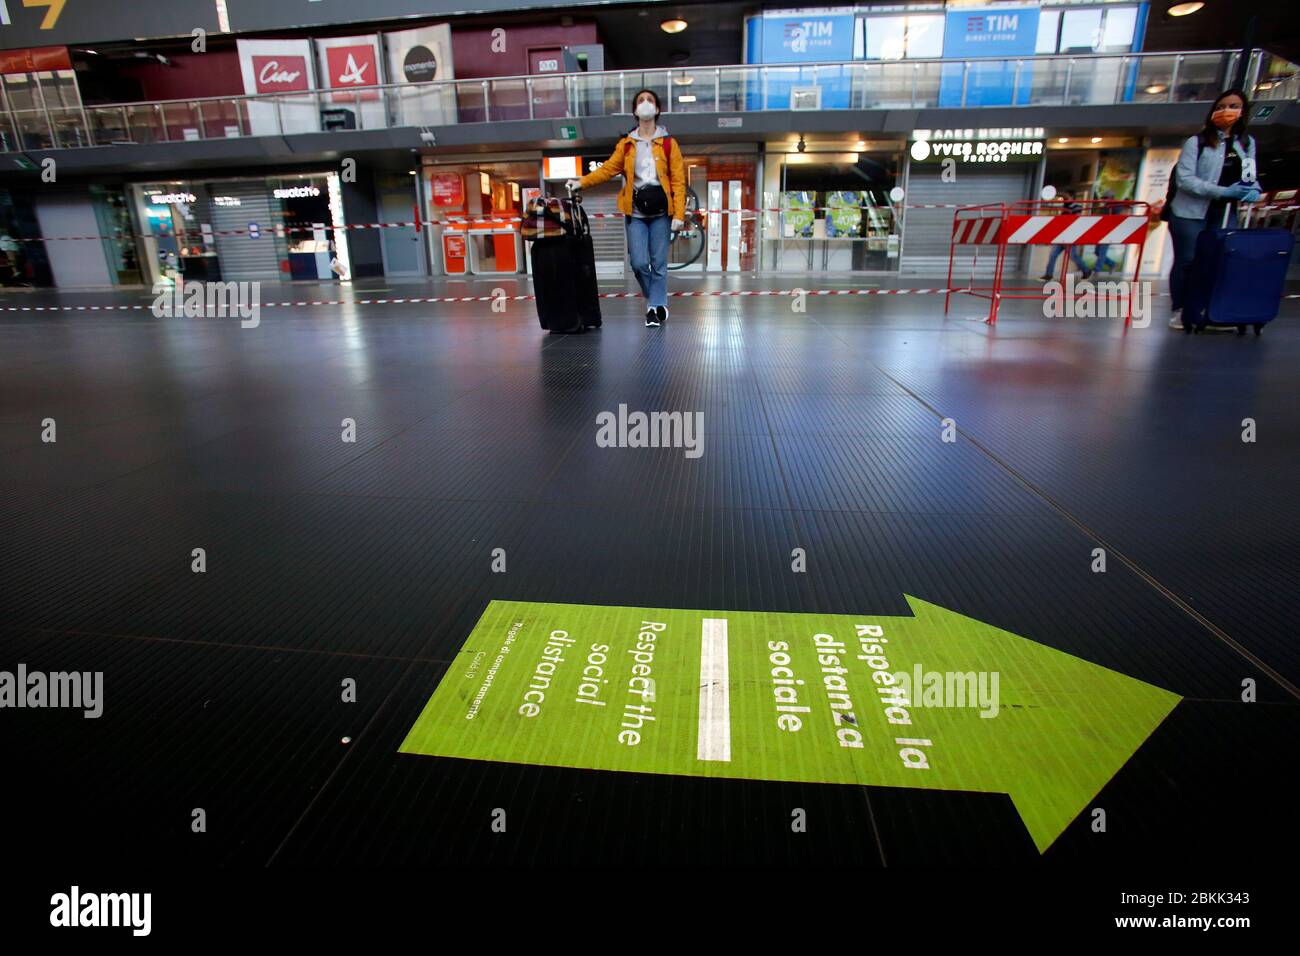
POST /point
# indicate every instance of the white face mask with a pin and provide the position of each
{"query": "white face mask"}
(646, 110)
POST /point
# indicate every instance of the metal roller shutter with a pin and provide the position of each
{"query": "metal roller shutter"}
(926, 232)
(608, 236)
(243, 258)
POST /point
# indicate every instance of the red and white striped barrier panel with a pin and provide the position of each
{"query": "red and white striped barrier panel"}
(1067, 229)
(976, 231)
(1093, 222)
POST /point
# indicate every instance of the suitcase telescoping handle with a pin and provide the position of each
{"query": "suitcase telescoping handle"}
(1232, 207)
(580, 224)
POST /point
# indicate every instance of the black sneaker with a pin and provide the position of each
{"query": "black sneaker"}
(651, 318)
(662, 311)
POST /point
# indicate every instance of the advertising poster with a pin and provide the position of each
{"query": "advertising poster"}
(824, 36)
(797, 214)
(808, 37)
(844, 214)
(350, 65)
(416, 58)
(1153, 185)
(1000, 32)
(448, 190)
(1116, 177)
(281, 67)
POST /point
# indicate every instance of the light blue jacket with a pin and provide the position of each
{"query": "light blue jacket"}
(1198, 178)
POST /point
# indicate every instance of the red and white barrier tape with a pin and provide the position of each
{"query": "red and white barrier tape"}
(280, 230)
(275, 229)
(420, 300)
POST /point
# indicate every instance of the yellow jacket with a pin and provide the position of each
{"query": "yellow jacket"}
(672, 174)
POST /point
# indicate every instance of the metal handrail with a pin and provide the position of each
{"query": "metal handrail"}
(950, 61)
(758, 71)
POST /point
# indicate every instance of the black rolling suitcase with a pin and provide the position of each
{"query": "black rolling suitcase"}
(564, 265)
(588, 291)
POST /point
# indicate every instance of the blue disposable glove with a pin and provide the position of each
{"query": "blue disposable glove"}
(1236, 191)
(1253, 195)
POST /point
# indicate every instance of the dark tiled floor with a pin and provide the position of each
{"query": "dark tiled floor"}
(371, 560)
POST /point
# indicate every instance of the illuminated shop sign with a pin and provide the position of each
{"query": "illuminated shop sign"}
(1005, 132)
(227, 200)
(297, 192)
(172, 199)
(977, 151)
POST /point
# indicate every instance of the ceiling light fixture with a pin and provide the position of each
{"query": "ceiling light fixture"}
(1157, 88)
(673, 26)
(1096, 139)
(1183, 9)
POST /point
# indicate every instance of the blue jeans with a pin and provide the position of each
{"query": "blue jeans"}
(1075, 254)
(1184, 233)
(647, 247)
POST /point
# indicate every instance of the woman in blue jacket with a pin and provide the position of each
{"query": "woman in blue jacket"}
(1216, 168)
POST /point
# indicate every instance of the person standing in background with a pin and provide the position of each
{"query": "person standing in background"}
(652, 200)
(1070, 207)
(1216, 169)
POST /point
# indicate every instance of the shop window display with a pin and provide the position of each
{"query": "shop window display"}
(828, 221)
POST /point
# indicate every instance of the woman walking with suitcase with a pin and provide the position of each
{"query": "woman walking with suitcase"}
(1216, 168)
(652, 200)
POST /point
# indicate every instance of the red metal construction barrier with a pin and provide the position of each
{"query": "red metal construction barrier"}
(1043, 222)
(1275, 210)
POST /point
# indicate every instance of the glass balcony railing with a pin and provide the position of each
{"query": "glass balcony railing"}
(1083, 80)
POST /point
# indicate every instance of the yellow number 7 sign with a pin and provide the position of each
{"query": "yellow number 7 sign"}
(51, 14)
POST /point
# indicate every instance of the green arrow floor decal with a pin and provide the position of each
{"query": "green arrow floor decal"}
(936, 701)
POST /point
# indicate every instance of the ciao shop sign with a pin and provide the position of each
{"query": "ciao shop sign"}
(280, 74)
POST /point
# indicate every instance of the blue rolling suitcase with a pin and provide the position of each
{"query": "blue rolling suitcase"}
(1237, 278)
